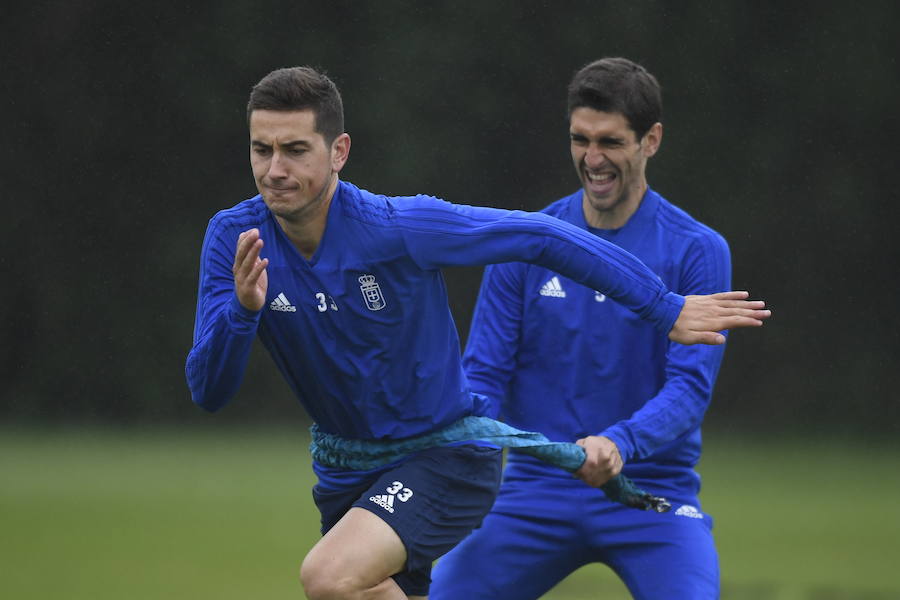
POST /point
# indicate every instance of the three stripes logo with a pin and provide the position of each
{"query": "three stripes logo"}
(282, 304)
(553, 289)
(395, 490)
(385, 501)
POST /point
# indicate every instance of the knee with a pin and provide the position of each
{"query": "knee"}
(321, 582)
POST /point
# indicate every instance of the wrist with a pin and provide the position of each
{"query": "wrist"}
(242, 319)
(620, 439)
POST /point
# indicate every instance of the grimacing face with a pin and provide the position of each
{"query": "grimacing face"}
(293, 167)
(611, 162)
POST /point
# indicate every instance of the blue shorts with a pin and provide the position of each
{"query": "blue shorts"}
(432, 500)
(542, 528)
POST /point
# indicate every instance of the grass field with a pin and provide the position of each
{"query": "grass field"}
(224, 513)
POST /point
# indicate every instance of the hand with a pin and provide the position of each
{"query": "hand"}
(602, 460)
(250, 278)
(702, 317)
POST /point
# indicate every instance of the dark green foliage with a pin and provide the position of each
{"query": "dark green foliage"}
(125, 132)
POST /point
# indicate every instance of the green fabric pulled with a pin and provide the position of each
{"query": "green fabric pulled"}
(362, 455)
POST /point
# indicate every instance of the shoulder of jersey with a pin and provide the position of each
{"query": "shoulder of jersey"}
(248, 213)
(558, 209)
(364, 205)
(680, 222)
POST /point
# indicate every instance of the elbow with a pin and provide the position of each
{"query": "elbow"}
(201, 393)
(691, 401)
(696, 405)
(203, 397)
(206, 405)
(209, 402)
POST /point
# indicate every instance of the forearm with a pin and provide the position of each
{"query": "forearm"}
(464, 235)
(677, 409)
(656, 425)
(216, 363)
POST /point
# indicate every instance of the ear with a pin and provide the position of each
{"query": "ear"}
(652, 140)
(340, 152)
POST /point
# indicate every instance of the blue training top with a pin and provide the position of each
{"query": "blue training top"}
(362, 331)
(568, 361)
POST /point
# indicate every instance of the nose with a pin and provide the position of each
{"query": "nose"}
(276, 166)
(594, 157)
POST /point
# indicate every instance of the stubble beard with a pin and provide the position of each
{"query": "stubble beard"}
(301, 214)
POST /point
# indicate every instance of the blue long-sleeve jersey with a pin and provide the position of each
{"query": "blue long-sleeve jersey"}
(362, 331)
(569, 361)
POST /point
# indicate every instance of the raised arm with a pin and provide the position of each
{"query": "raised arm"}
(231, 293)
(441, 234)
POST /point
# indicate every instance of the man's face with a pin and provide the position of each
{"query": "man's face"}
(293, 167)
(610, 160)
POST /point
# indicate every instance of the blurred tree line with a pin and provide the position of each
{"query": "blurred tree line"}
(125, 132)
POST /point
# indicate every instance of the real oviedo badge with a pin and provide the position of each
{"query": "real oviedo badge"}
(371, 292)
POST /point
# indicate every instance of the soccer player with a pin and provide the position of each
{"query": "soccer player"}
(343, 288)
(573, 363)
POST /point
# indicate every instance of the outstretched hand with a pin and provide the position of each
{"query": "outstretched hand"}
(703, 317)
(250, 278)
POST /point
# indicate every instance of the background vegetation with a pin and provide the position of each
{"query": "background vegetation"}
(125, 132)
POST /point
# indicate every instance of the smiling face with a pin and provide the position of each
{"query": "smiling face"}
(611, 164)
(294, 168)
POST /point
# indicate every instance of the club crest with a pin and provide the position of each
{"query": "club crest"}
(371, 292)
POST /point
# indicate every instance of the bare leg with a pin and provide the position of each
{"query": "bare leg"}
(355, 561)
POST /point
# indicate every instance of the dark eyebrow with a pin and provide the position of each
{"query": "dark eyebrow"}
(289, 145)
(607, 139)
(303, 143)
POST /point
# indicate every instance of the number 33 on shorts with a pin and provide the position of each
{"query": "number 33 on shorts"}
(403, 493)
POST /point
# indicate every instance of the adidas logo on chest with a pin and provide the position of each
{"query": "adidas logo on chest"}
(282, 304)
(553, 288)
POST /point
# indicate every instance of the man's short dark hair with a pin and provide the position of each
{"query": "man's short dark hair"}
(301, 88)
(617, 85)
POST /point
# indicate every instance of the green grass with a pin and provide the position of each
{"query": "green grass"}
(226, 513)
